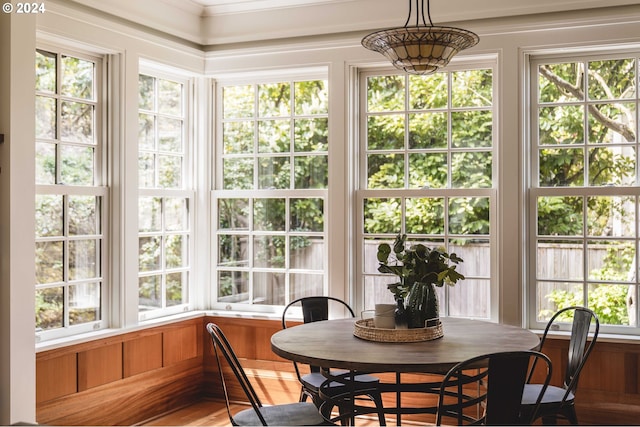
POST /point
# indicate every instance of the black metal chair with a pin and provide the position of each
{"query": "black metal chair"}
(291, 414)
(488, 389)
(559, 402)
(334, 393)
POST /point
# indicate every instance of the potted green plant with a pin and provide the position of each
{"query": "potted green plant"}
(419, 269)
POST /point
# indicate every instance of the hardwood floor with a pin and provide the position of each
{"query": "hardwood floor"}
(214, 413)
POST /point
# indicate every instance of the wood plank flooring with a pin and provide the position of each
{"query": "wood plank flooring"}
(214, 413)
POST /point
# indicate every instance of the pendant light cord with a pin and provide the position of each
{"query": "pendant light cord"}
(420, 13)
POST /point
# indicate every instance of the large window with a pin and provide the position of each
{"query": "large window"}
(71, 199)
(165, 200)
(427, 170)
(584, 179)
(271, 192)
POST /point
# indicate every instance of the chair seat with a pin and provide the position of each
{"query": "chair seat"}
(290, 414)
(315, 379)
(552, 395)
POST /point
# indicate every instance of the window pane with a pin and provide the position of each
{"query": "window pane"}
(149, 214)
(77, 165)
(613, 303)
(238, 101)
(612, 79)
(175, 214)
(146, 132)
(175, 251)
(311, 135)
(46, 117)
(238, 174)
(612, 165)
(611, 260)
(382, 215)
(149, 253)
(269, 214)
(425, 215)
(560, 259)
(307, 252)
(552, 296)
(50, 308)
(84, 303)
(233, 250)
(475, 253)
(472, 88)
(83, 215)
(269, 251)
(45, 71)
(385, 132)
(169, 135)
(238, 137)
(385, 93)
(146, 94)
(428, 92)
(428, 170)
(426, 130)
(274, 99)
(307, 215)
(169, 97)
(176, 288)
(385, 171)
(562, 167)
(233, 286)
(274, 136)
(149, 292)
(49, 262)
(77, 122)
(560, 216)
(311, 97)
(273, 172)
(611, 216)
(471, 170)
(45, 163)
(311, 172)
(469, 298)
(49, 219)
(551, 76)
(612, 123)
(562, 124)
(268, 288)
(233, 214)
(304, 285)
(469, 215)
(170, 171)
(146, 170)
(77, 77)
(471, 129)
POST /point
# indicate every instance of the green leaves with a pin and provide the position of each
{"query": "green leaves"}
(416, 264)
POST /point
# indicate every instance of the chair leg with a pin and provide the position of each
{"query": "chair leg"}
(549, 420)
(377, 399)
(303, 396)
(570, 413)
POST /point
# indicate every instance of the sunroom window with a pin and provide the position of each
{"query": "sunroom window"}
(271, 192)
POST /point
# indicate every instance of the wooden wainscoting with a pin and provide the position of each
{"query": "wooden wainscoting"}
(133, 377)
(121, 380)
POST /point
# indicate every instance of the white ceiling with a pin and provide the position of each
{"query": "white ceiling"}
(213, 23)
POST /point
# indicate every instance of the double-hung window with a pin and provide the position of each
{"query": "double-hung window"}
(583, 212)
(427, 152)
(271, 191)
(165, 201)
(71, 197)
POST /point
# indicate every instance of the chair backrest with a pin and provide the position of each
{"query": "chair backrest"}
(314, 309)
(578, 349)
(494, 380)
(222, 345)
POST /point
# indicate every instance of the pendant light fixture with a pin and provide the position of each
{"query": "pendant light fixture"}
(420, 48)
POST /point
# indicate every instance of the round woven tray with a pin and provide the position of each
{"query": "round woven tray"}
(364, 329)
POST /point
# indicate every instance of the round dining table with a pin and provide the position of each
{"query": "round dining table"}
(332, 344)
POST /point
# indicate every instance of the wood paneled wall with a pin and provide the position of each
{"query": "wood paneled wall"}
(133, 377)
(121, 380)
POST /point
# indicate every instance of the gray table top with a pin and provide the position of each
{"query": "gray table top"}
(331, 344)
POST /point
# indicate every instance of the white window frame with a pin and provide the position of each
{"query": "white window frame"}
(100, 189)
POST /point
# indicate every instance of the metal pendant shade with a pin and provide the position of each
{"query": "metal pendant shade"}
(422, 48)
